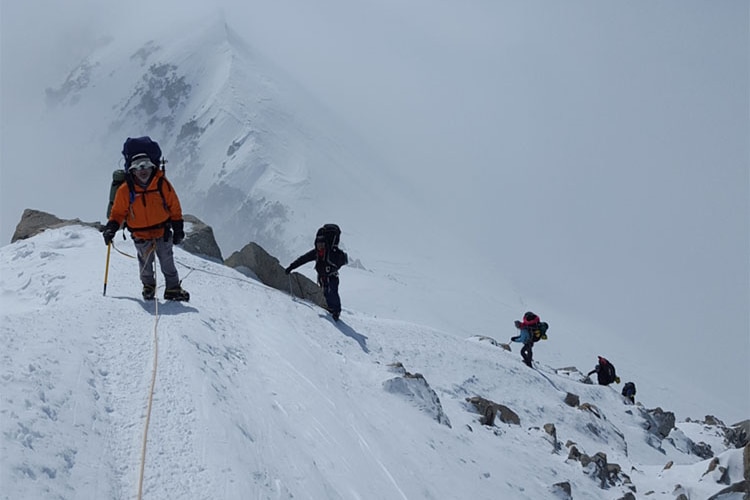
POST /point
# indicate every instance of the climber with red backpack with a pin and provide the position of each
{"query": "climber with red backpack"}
(531, 330)
(605, 372)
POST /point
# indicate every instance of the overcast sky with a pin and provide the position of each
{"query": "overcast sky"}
(595, 153)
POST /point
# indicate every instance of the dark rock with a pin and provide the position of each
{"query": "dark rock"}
(562, 491)
(701, 449)
(659, 422)
(737, 436)
(489, 410)
(34, 222)
(730, 492)
(607, 474)
(199, 239)
(508, 416)
(572, 399)
(711, 420)
(268, 270)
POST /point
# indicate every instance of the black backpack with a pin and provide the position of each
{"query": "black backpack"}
(139, 146)
(608, 371)
(131, 148)
(330, 235)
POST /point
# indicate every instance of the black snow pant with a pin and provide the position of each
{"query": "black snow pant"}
(330, 286)
(526, 353)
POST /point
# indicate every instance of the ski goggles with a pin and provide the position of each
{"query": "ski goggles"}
(140, 164)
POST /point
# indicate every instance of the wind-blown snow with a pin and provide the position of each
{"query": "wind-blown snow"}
(261, 396)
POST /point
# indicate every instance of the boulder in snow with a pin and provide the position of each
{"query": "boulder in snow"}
(269, 271)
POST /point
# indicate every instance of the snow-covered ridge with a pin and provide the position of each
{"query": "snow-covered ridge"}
(258, 395)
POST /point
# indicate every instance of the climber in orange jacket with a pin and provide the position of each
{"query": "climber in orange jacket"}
(148, 204)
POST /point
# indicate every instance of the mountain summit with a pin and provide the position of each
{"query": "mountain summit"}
(253, 153)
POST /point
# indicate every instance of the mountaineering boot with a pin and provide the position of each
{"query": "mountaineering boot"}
(148, 292)
(336, 315)
(177, 294)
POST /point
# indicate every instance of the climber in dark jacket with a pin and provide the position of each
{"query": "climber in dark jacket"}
(328, 259)
(628, 392)
(605, 372)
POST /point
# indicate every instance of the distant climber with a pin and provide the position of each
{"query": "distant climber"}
(531, 331)
(628, 392)
(605, 372)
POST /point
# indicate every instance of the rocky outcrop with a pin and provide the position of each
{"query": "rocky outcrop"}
(254, 260)
(415, 389)
(34, 222)
(659, 422)
(491, 410)
(737, 436)
(733, 491)
(597, 467)
(199, 239)
(722, 476)
(561, 491)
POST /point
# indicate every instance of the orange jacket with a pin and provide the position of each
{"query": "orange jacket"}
(148, 212)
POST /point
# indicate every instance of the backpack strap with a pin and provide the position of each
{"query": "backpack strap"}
(159, 185)
(159, 188)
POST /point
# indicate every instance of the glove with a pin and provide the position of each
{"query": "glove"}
(178, 230)
(517, 323)
(288, 270)
(617, 380)
(110, 230)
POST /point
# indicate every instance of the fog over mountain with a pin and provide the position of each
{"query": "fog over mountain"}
(586, 161)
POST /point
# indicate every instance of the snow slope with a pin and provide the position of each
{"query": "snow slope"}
(260, 396)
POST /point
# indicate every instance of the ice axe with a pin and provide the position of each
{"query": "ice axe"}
(106, 267)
